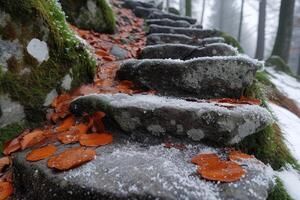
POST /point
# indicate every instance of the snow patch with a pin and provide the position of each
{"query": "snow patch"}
(291, 181)
(38, 49)
(66, 82)
(50, 97)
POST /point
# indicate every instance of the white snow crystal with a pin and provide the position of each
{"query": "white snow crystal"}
(291, 182)
(38, 49)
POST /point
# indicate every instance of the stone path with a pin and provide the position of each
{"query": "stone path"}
(136, 165)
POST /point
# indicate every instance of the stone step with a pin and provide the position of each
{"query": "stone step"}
(133, 4)
(168, 22)
(191, 32)
(208, 77)
(214, 123)
(163, 38)
(131, 170)
(154, 13)
(186, 52)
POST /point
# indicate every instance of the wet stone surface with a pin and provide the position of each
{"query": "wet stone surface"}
(186, 52)
(168, 22)
(131, 170)
(165, 38)
(207, 77)
(159, 116)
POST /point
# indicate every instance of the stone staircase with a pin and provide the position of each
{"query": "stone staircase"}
(186, 65)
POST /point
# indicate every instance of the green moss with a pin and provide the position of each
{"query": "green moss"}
(9, 132)
(278, 192)
(231, 41)
(263, 78)
(279, 64)
(109, 16)
(66, 52)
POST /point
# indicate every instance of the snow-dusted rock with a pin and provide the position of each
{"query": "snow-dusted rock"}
(130, 170)
(207, 77)
(163, 38)
(191, 32)
(168, 22)
(215, 123)
(186, 52)
(10, 111)
(38, 49)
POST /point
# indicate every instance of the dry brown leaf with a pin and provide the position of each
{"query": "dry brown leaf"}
(237, 155)
(4, 161)
(224, 171)
(41, 153)
(12, 146)
(61, 99)
(32, 138)
(95, 139)
(69, 137)
(71, 158)
(205, 159)
(6, 189)
(66, 124)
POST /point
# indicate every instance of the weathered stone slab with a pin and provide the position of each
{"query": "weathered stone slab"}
(130, 170)
(186, 52)
(207, 77)
(168, 22)
(159, 116)
(133, 4)
(191, 32)
(163, 38)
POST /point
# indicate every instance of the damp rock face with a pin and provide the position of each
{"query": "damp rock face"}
(94, 15)
(35, 56)
(165, 38)
(130, 4)
(215, 77)
(186, 52)
(161, 116)
(168, 22)
(191, 32)
(130, 170)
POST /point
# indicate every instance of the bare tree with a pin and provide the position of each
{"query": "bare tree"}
(188, 8)
(260, 46)
(241, 21)
(203, 10)
(284, 32)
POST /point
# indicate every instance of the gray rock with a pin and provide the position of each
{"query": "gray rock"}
(133, 4)
(191, 32)
(168, 22)
(130, 170)
(163, 38)
(158, 116)
(207, 77)
(186, 52)
(119, 52)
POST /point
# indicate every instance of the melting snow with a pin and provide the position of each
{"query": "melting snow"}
(38, 49)
(291, 181)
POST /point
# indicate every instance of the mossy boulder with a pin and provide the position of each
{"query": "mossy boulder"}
(94, 15)
(40, 57)
(279, 64)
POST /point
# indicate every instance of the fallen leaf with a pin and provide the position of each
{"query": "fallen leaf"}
(224, 171)
(237, 155)
(95, 139)
(66, 124)
(6, 189)
(12, 146)
(7, 176)
(205, 159)
(71, 158)
(69, 137)
(32, 138)
(60, 99)
(41, 153)
(98, 125)
(4, 161)
(102, 53)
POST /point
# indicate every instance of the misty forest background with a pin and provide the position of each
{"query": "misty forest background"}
(255, 23)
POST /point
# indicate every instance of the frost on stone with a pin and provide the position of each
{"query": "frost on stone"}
(50, 97)
(66, 82)
(11, 111)
(9, 49)
(38, 49)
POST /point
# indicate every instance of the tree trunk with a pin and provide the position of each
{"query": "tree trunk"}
(188, 8)
(260, 46)
(167, 5)
(298, 72)
(203, 10)
(284, 34)
(241, 21)
(221, 19)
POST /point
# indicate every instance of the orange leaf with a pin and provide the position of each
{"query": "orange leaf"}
(4, 161)
(101, 53)
(237, 155)
(32, 138)
(6, 189)
(60, 99)
(251, 101)
(224, 171)
(97, 121)
(205, 159)
(108, 58)
(12, 146)
(66, 124)
(71, 158)
(69, 137)
(41, 153)
(95, 139)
